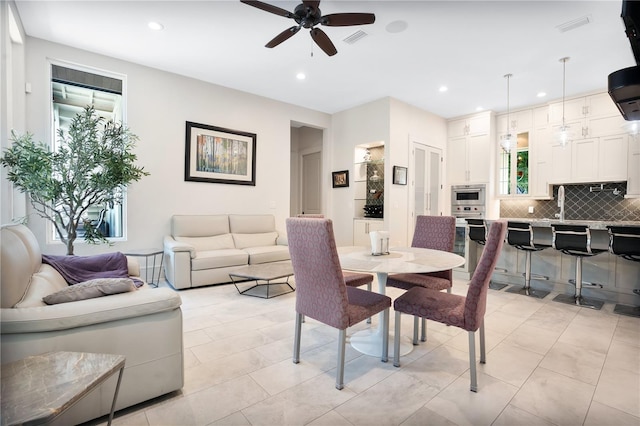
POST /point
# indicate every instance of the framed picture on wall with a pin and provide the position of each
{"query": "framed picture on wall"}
(340, 179)
(218, 155)
(399, 175)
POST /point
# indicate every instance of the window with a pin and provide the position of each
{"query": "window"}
(514, 168)
(72, 89)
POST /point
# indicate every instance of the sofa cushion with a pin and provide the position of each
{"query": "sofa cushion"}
(243, 241)
(219, 259)
(44, 282)
(251, 224)
(218, 242)
(20, 250)
(90, 290)
(267, 254)
(199, 225)
(145, 301)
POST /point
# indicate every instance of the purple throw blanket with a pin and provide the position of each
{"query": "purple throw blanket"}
(77, 269)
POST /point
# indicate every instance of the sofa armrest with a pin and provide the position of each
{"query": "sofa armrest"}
(133, 266)
(176, 246)
(63, 316)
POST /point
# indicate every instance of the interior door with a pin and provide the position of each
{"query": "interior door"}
(311, 188)
(426, 183)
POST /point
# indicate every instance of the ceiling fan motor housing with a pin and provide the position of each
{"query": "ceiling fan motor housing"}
(307, 16)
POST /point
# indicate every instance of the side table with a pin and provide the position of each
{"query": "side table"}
(148, 255)
(38, 389)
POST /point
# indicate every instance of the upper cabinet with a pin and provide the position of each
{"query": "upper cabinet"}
(513, 166)
(469, 149)
(597, 152)
(633, 182)
(588, 116)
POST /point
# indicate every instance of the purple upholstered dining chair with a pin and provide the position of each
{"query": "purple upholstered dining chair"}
(432, 232)
(451, 309)
(352, 279)
(321, 292)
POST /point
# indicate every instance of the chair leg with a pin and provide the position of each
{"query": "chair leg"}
(483, 354)
(385, 339)
(423, 335)
(342, 340)
(296, 338)
(369, 289)
(415, 330)
(472, 361)
(396, 341)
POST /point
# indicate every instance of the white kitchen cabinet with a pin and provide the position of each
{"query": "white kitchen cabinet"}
(362, 228)
(600, 159)
(518, 122)
(473, 125)
(469, 149)
(588, 116)
(612, 158)
(633, 167)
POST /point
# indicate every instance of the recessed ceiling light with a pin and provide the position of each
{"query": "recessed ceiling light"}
(443, 89)
(301, 76)
(541, 94)
(479, 108)
(156, 26)
(396, 26)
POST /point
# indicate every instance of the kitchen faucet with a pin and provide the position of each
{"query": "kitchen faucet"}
(560, 203)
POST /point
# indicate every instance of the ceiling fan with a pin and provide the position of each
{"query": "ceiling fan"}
(308, 15)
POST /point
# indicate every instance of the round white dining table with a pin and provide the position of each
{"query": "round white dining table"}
(400, 260)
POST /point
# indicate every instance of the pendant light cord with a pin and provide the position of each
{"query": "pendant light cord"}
(564, 85)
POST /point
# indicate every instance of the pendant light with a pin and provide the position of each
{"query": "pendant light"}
(508, 141)
(564, 134)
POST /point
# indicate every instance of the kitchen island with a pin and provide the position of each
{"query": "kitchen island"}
(618, 276)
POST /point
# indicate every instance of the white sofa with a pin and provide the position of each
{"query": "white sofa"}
(203, 249)
(144, 325)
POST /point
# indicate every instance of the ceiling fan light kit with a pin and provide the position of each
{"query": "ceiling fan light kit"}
(308, 15)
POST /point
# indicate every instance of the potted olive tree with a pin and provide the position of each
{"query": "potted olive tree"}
(93, 162)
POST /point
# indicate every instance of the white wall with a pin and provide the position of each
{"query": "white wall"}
(12, 102)
(360, 125)
(158, 104)
(408, 124)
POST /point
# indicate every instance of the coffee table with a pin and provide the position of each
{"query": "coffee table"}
(264, 276)
(38, 389)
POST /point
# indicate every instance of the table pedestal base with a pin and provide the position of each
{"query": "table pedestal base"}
(369, 342)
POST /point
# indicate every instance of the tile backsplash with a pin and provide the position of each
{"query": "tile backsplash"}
(582, 202)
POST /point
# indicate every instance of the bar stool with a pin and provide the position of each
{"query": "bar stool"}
(520, 236)
(478, 234)
(575, 240)
(624, 241)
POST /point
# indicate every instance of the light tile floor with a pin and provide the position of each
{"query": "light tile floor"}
(547, 364)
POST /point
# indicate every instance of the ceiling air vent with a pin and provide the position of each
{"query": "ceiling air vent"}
(572, 25)
(358, 35)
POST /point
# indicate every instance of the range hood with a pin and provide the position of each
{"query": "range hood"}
(624, 84)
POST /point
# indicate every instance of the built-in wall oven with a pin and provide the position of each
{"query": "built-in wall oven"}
(467, 201)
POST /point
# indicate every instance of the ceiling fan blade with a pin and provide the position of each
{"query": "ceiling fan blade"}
(347, 19)
(286, 34)
(322, 40)
(313, 4)
(268, 8)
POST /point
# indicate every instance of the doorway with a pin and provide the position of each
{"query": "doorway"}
(306, 170)
(426, 183)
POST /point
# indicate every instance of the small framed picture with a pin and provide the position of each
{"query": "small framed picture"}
(340, 179)
(399, 175)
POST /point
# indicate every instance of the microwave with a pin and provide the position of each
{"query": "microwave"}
(468, 195)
